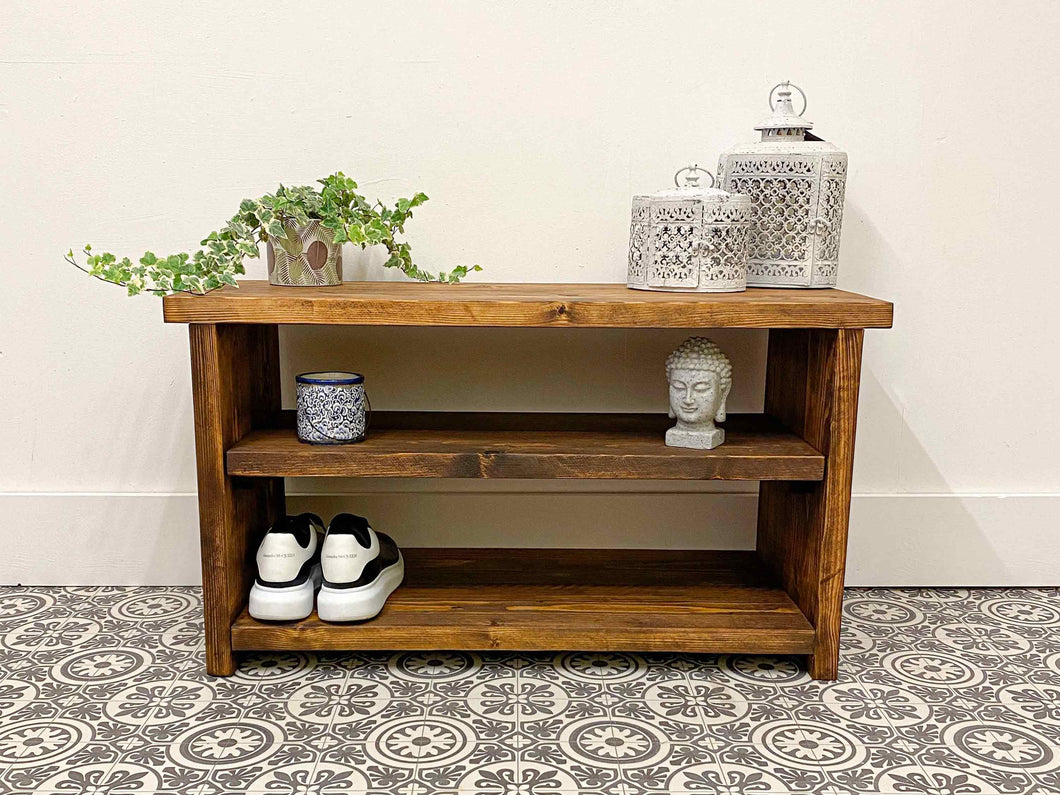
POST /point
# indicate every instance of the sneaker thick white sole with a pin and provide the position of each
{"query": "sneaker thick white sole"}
(360, 604)
(292, 603)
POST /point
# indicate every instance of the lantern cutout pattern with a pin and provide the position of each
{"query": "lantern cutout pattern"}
(689, 238)
(796, 183)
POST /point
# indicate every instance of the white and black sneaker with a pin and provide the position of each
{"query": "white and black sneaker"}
(288, 569)
(361, 569)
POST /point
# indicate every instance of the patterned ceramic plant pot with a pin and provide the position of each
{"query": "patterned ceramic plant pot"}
(307, 257)
(333, 407)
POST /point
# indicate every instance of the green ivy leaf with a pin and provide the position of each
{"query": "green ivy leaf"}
(355, 233)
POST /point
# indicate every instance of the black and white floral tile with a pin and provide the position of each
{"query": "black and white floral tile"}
(951, 692)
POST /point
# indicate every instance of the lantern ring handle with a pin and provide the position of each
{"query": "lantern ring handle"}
(802, 94)
(692, 169)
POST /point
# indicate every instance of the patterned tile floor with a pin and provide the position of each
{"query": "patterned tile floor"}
(952, 692)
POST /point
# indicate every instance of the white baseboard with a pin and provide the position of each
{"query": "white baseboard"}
(954, 539)
(895, 539)
(99, 539)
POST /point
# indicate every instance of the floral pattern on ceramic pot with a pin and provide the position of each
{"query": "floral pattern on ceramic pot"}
(333, 407)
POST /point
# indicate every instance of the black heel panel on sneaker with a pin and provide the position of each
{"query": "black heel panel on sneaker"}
(300, 526)
(303, 575)
(312, 517)
(387, 557)
(356, 526)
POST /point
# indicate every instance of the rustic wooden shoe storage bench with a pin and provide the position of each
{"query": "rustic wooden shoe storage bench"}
(784, 597)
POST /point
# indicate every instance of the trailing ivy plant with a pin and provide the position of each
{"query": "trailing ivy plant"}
(337, 205)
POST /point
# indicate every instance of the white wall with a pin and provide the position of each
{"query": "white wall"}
(142, 124)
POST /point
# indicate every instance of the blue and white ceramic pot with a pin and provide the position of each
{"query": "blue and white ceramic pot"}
(333, 407)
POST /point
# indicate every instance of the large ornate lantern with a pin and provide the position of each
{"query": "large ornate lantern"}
(796, 183)
(689, 238)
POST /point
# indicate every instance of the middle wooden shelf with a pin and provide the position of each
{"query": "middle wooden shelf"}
(529, 445)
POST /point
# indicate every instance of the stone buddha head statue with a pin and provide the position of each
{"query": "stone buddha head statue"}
(700, 377)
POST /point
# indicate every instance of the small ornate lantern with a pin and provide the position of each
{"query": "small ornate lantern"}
(689, 239)
(796, 183)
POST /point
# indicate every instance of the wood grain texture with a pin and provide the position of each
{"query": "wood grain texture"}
(532, 599)
(236, 385)
(531, 305)
(482, 445)
(812, 380)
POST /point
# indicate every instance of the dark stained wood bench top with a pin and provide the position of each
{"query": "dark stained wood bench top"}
(530, 305)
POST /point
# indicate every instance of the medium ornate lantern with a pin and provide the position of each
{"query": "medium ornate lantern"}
(796, 183)
(689, 238)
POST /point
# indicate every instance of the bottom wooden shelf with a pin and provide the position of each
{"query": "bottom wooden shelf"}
(543, 599)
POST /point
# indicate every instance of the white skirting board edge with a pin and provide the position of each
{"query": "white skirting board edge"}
(895, 539)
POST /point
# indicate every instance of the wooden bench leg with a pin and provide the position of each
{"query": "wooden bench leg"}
(812, 379)
(236, 386)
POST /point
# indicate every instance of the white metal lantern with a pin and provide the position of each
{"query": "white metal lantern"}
(796, 183)
(689, 238)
